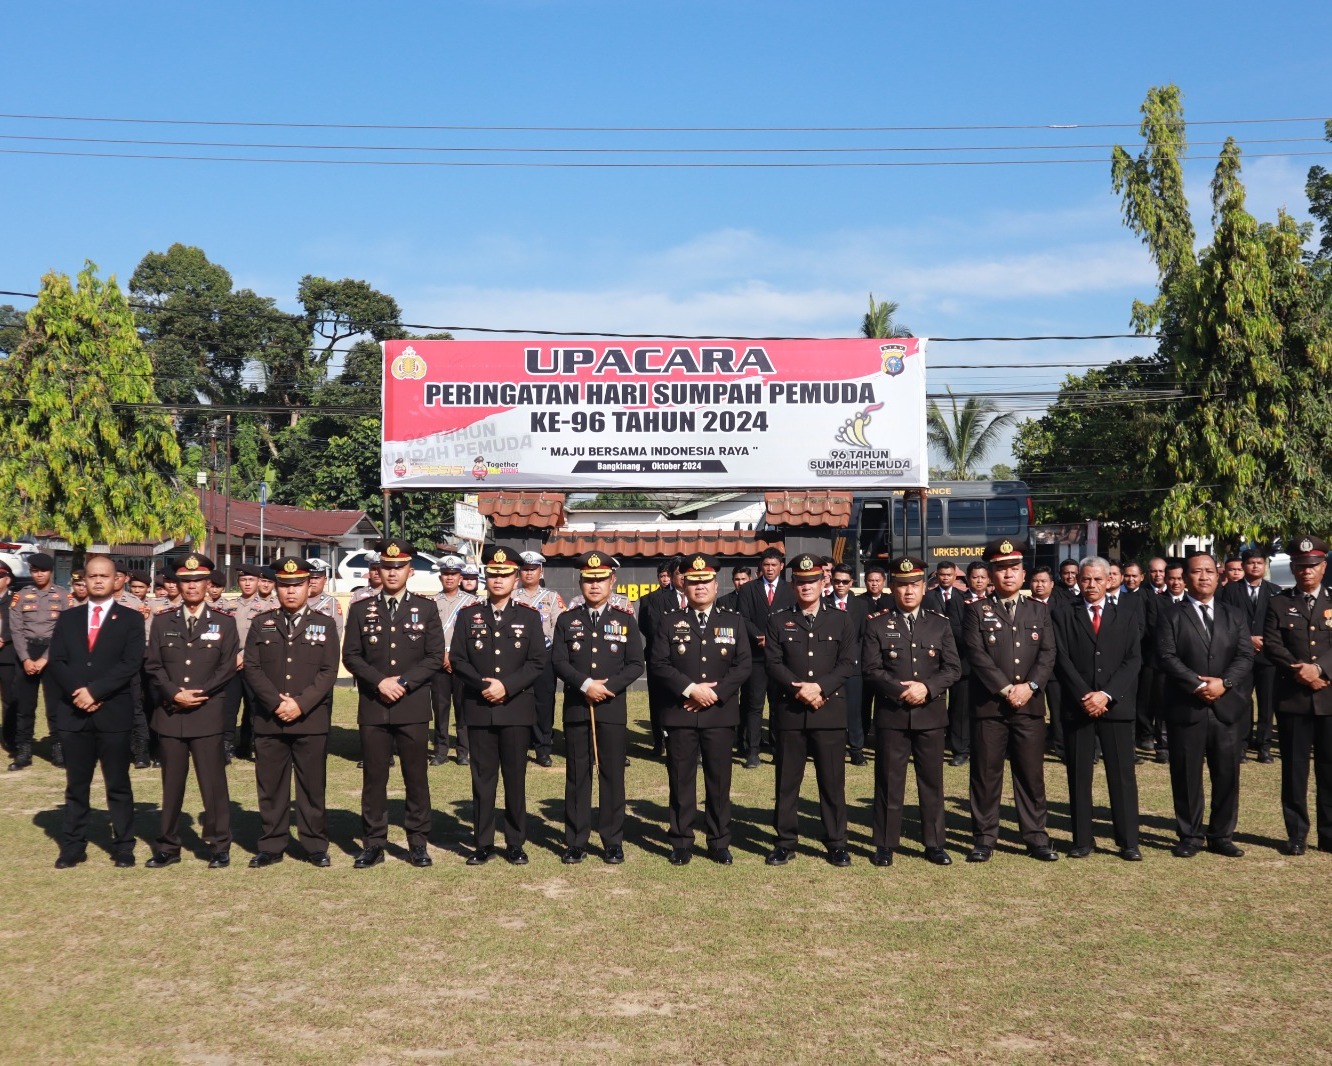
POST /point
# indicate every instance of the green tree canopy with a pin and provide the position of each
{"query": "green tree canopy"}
(880, 320)
(83, 452)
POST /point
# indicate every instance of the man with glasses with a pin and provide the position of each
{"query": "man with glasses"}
(1297, 638)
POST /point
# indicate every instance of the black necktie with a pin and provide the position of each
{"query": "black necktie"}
(1253, 593)
(1011, 607)
(596, 617)
(1309, 600)
(392, 607)
(702, 619)
(911, 624)
(809, 620)
(190, 622)
(291, 624)
(1207, 618)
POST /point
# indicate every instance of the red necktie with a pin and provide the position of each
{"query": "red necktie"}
(841, 605)
(95, 627)
(771, 589)
(1096, 618)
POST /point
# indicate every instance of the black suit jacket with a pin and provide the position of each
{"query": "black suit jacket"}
(650, 610)
(955, 610)
(1184, 653)
(410, 648)
(1255, 613)
(107, 671)
(1108, 661)
(827, 654)
(752, 603)
(613, 652)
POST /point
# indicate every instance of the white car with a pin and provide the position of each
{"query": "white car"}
(14, 554)
(354, 567)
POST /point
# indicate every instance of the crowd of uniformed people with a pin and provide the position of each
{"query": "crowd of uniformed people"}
(1182, 661)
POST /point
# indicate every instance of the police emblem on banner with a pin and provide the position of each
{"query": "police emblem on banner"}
(894, 358)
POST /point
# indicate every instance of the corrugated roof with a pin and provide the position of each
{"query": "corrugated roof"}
(808, 508)
(657, 543)
(281, 520)
(533, 510)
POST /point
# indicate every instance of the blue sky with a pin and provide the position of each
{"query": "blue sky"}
(966, 250)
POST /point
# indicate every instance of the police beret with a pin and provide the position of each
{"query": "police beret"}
(40, 561)
(248, 570)
(268, 574)
(140, 576)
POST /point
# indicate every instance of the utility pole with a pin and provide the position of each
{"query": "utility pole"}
(226, 511)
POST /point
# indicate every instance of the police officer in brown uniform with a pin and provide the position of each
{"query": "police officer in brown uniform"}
(1010, 644)
(910, 660)
(811, 650)
(701, 658)
(32, 619)
(192, 653)
(598, 653)
(1297, 639)
(394, 645)
(498, 655)
(291, 663)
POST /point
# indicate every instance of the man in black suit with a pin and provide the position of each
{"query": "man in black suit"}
(811, 652)
(857, 609)
(877, 600)
(951, 602)
(499, 655)
(910, 660)
(1251, 595)
(394, 646)
(669, 597)
(192, 654)
(95, 655)
(598, 654)
(1011, 644)
(1205, 656)
(1098, 650)
(291, 664)
(8, 664)
(740, 577)
(757, 600)
(1298, 641)
(1043, 591)
(1067, 587)
(701, 659)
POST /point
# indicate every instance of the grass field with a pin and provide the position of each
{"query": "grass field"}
(1205, 961)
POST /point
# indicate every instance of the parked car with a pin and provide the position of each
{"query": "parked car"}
(14, 554)
(354, 567)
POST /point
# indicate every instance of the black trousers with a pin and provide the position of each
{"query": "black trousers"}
(752, 694)
(1218, 744)
(959, 717)
(1299, 733)
(1018, 739)
(496, 750)
(657, 698)
(855, 725)
(543, 733)
(443, 697)
(828, 747)
(9, 704)
(210, 769)
(612, 746)
(239, 697)
(1147, 708)
(1054, 733)
(1080, 737)
(893, 748)
(274, 757)
(1262, 729)
(378, 743)
(141, 736)
(26, 691)
(85, 750)
(683, 747)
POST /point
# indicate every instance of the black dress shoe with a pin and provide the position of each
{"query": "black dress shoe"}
(545, 760)
(1226, 848)
(464, 759)
(360, 764)
(1130, 854)
(858, 757)
(142, 763)
(1079, 853)
(882, 857)
(515, 855)
(572, 856)
(370, 856)
(439, 758)
(1138, 760)
(1044, 853)
(779, 856)
(123, 861)
(839, 857)
(721, 856)
(938, 856)
(419, 857)
(220, 860)
(681, 856)
(959, 760)
(980, 853)
(265, 858)
(1162, 756)
(57, 754)
(1265, 757)
(614, 855)
(160, 859)
(480, 856)
(68, 862)
(751, 762)
(1293, 847)
(1184, 850)
(319, 858)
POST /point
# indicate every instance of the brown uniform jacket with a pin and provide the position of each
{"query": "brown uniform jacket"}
(302, 664)
(892, 654)
(613, 652)
(512, 650)
(1294, 634)
(1004, 653)
(206, 661)
(825, 653)
(410, 648)
(683, 654)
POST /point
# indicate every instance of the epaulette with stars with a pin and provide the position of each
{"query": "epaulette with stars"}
(524, 603)
(624, 608)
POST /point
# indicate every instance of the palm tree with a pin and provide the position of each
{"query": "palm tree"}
(972, 434)
(879, 321)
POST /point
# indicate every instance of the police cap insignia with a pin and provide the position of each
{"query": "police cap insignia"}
(698, 563)
(594, 560)
(1306, 545)
(500, 556)
(289, 567)
(392, 551)
(1006, 546)
(905, 566)
(192, 563)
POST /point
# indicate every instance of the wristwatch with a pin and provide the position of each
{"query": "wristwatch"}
(1034, 687)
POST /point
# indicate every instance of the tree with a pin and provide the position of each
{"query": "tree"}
(83, 451)
(1002, 472)
(965, 439)
(878, 321)
(11, 328)
(1319, 190)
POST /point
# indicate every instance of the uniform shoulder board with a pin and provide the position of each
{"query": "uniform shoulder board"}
(724, 610)
(937, 614)
(879, 614)
(14, 600)
(623, 608)
(523, 603)
(266, 610)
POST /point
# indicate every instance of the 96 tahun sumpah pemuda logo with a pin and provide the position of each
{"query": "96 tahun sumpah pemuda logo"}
(408, 366)
(852, 432)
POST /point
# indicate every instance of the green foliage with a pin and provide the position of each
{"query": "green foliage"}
(966, 436)
(879, 322)
(1318, 188)
(11, 328)
(79, 453)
